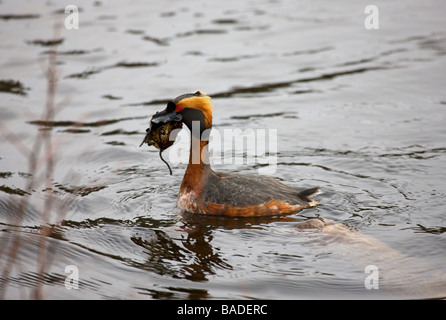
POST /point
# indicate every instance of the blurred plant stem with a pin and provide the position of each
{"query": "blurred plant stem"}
(41, 156)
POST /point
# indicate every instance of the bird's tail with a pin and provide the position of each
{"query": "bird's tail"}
(308, 194)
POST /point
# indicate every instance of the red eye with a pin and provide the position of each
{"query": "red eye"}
(178, 108)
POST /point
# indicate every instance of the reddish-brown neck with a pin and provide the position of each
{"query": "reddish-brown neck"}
(198, 168)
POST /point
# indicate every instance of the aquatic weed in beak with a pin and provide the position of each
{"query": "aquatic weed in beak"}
(158, 135)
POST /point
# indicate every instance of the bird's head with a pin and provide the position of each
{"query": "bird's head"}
(193, 109)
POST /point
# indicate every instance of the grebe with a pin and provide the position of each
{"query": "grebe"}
(204, 191)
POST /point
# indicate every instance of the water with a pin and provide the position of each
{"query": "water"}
(359, 113)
